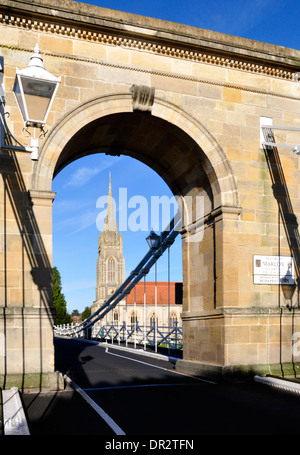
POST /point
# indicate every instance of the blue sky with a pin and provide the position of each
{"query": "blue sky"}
(270, 21)
(78, 212)
(77, 209)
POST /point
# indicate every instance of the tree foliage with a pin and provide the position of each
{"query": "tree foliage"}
(86, 313)
(59, 301)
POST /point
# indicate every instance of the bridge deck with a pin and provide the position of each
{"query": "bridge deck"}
(144, 396)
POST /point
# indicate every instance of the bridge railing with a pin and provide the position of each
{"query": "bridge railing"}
(139, 335)
(68, 330)
(133, 334)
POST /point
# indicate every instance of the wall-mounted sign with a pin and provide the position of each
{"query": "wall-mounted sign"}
(273, 270)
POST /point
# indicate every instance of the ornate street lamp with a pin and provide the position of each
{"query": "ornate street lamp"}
(35, 89)
(153, 240)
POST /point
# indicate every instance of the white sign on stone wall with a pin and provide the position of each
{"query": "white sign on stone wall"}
(273, 270)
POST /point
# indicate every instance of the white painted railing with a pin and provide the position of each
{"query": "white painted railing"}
(134, 334)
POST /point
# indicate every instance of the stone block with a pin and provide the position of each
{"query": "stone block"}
(232, 95)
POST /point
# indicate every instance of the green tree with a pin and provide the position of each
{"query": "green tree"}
(86, 313)
(59, 301)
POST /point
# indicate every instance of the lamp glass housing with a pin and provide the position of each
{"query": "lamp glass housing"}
(35, 89)
(34, 97)
(153, 240)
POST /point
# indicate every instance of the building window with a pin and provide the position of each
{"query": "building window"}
(111, 270)
(133, 319)
(116, 317)
(153, 320)
(173, 319)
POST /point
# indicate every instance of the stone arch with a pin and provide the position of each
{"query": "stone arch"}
(204, 147)
(183, 152)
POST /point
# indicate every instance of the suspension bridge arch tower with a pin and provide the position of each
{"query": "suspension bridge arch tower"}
(190, 161)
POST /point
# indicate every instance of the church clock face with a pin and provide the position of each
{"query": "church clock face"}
(111, 290)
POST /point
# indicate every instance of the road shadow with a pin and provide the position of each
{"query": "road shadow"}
(150, 402)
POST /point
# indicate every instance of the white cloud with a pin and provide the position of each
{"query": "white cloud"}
(82, 176)
(69, 205)
(76, 223)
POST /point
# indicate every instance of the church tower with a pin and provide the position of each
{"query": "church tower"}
(110, 263)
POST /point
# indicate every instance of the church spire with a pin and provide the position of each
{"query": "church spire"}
(110, 223)
(110, 271)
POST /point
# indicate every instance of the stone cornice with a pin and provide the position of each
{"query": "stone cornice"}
(165, 73)
(115, 28)
(228, 312)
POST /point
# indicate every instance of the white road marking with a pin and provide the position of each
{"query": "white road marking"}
(160, 368)
(137, 386)
(110, 422)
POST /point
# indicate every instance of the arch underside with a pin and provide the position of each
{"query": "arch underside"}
(168, 140)
(157, 143)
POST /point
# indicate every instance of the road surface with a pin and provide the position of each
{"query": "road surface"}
(122, 393)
